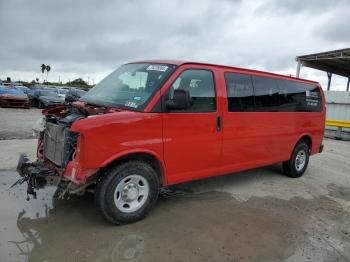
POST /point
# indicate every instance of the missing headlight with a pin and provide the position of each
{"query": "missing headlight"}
(39, 126)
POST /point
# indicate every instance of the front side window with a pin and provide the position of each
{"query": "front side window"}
(200, 84)
(131, 86)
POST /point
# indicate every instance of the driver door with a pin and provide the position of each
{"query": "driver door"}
(192, 137)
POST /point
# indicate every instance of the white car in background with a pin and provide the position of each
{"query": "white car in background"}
(61, 92)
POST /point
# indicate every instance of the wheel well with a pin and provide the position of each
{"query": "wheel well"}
(148, 158)
(307, 139)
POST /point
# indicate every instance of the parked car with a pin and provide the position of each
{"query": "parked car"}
(7, 85)
(13, 97)
(49, 99)
(74, 94)
(25, 89)
(37, 93)
(158, 123)
(61, 92)
(14, 85)
(31, 93)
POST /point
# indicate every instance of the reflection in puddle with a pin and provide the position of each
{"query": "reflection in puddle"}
(128, 248)
(48, 230)
(31, 237)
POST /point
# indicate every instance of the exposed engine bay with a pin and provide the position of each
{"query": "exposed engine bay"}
(57, 146)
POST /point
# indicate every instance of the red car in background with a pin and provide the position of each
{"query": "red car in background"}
(158, 123)
(13, 97)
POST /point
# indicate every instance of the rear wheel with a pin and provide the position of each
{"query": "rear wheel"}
(127, 192)
(297, 164)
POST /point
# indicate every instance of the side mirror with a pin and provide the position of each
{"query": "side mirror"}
(181, 100)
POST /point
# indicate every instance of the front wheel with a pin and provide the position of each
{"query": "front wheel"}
(127, 192)
(297, 164)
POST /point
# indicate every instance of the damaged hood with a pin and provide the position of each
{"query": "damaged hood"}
(95, 121)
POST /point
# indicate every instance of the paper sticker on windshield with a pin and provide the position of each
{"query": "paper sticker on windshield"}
(131, 104)
(157, 68)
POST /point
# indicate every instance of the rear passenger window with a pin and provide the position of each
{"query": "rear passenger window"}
(299, 97)
(240, 93)
(200, 84)
(266, 94)
(313, 99)
(247, 93)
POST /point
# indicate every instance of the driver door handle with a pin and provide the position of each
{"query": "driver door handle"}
(218, 124)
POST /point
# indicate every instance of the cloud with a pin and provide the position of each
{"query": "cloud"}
(336, 27)
(91, 38)
(293, 7)
(104, 32)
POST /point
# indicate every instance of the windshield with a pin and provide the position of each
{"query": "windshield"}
(130, 86)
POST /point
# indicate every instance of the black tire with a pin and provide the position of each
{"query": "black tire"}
(290, 168)
(40, 105)
(107, 185)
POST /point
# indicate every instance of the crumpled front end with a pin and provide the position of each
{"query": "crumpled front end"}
(58, 155)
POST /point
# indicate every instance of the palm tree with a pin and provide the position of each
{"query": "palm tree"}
(48, 69)
(43, 68)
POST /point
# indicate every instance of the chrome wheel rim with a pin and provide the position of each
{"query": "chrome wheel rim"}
(300, 160)
(131, 193)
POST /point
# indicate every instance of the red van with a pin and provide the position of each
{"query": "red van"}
(151, 124)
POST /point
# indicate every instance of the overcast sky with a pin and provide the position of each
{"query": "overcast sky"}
(85, 38)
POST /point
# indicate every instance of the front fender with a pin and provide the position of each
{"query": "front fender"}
(109, 137)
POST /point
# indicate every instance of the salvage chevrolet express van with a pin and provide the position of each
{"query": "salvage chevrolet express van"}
(157, 123)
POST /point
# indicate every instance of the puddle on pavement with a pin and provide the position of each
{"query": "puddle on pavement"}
(182, 227)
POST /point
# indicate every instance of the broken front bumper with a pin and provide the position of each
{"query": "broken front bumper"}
(36, 174)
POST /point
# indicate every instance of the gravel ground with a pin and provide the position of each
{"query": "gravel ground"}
(256, 215)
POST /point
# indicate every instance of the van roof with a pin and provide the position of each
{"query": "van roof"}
(183, 62)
